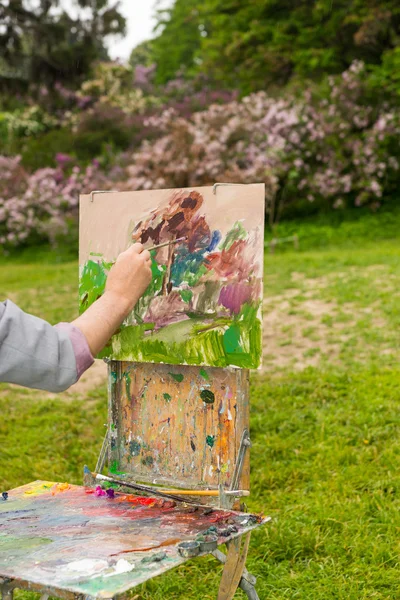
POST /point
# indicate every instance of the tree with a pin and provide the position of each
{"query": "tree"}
(174, 49)
(45, 43)
(251, 45)
(142, 55)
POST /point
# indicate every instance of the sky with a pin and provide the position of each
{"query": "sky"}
(140, 24)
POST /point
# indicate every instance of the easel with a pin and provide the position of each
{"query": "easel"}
(128, 383)
(185, 427)
(140, 395)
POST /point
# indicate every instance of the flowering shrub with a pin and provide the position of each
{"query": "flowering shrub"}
(42, 205)
(337, 147)
(23, 123)
(114, 85)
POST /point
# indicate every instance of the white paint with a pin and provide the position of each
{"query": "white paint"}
(87, 566)
(229, 415)
(122, 566)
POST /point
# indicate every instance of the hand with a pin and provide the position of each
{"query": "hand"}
(126, 282)
(129, 276)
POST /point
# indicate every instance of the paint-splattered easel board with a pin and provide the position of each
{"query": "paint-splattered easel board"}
(77, 543)
(180, 426)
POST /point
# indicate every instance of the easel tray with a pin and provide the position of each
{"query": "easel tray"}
(64, 541)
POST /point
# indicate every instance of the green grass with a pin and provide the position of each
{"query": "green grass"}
(326, 443)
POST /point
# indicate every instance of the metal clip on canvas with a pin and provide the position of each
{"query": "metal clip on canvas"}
(178, 424)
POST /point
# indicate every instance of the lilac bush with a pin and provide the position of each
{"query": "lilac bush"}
(336, 148)
(41, 206)
(334, 145)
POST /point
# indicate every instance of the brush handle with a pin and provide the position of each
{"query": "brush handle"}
(143, 488)
(181, 239)
(237, 493)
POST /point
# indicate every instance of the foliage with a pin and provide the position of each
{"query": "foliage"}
(114, 85)
(252, 45)
(336, 147)
(325, 440)
(101, 131)
(141, 55)
(21, 124)
(40, 44)
(174, 49)
(385, 78)
(43, 205)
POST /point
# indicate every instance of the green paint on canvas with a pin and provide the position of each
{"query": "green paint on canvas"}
(207, 396)
(207, 347)
(210, 439)
(92, 283)
(232, 340)
(135, 448)
(238, 232)
(186, 295)
(177, 376)
(203, 373)
(167, 397)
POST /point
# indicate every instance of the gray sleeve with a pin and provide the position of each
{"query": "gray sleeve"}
(33, 353)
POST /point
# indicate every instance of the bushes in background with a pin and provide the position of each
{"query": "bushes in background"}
(337, 145)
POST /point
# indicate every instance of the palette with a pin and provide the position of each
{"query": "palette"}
(73, 542)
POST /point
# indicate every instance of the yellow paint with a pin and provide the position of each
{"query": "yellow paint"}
(39, 488)
(59, 487)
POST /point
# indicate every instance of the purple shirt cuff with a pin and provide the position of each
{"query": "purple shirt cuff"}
(83, 356)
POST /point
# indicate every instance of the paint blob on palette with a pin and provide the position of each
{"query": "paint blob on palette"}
(203, 306)
(60, 538)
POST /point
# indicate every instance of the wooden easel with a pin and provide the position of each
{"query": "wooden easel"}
(185, 427)
(179, 426)
(144, 398)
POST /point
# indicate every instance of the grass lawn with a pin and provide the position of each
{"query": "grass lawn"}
(325, 421)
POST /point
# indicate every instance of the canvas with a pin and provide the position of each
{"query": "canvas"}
(203, 306)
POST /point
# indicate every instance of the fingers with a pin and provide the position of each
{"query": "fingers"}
(137, 248)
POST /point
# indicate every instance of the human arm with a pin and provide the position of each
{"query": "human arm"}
(37, 355)
(126, 282)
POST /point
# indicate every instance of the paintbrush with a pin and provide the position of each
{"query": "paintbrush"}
(143, 488)
(181, 239)
(236, 493)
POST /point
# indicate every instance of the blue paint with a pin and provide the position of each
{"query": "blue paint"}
(186, 264)
(215, 240)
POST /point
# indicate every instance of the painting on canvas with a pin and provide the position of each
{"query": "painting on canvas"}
(203, 306)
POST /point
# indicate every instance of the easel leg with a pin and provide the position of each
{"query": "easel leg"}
(234, 574)
(7, 592)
